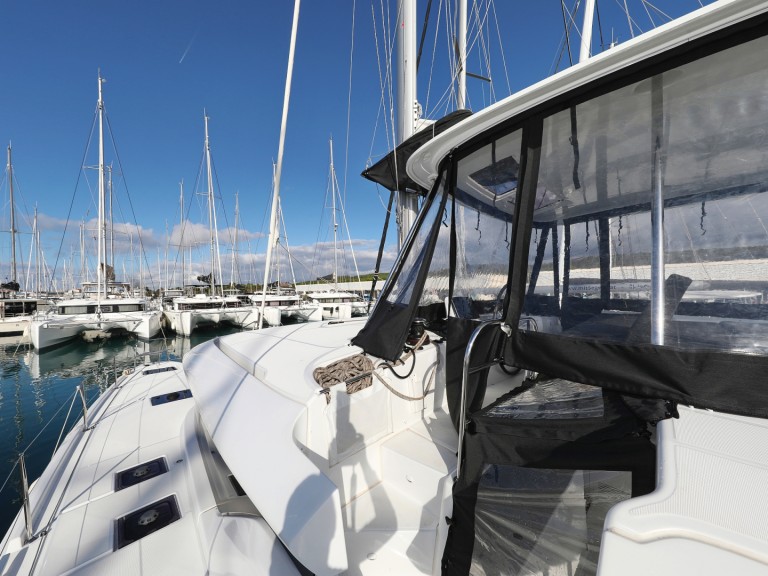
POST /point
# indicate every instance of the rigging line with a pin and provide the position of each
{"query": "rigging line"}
(391, 38)
(501, 51)
(567, 32)
(629, 20)
(349, 100)
(647, 4)
(432, 62)
(349, 235)
(756, 213)
(633, 23)
(72, 202)
(385, 75)
(423, 35)
(571, 24)
(381, 82)
(599, 25)
(287, 247)
(689, 237)
(481, 38)
(130, 202)
(320, 226)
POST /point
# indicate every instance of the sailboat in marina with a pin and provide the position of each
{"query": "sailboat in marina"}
(110, 309)
(336, 304)
(15, 312)
(610, 420)
(281, 304)
(185, 314)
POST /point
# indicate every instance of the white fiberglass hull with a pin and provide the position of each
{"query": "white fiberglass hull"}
(336, 311)
(14, 326)
(302, 313)
(368, 475)
(84, 505)
(48, 331)
(185, 322)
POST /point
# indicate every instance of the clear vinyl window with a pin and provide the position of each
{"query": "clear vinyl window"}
(651, 210)
(485, 198)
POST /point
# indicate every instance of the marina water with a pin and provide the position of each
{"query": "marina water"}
(37, 396)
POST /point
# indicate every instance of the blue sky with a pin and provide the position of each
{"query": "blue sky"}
(165, 62)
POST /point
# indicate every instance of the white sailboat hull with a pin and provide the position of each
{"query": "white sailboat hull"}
(302, 313)
(53, 330)
(185, 322)
(78, 501)
(14, 326)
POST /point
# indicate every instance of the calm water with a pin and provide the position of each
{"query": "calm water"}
(36, 392)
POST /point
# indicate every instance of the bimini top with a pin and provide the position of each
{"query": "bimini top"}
(390, 171)
(423, 164)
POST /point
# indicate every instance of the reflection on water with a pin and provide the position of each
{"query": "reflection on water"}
(36, 388)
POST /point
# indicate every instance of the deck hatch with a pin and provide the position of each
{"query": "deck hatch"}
(159, 370)
(146, 520)
(171, 397)
(140, 473)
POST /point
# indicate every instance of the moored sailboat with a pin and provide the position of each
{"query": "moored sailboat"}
(186, 313)
(15, 312)
(104, 313)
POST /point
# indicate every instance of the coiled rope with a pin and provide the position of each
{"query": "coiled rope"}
(356, 373)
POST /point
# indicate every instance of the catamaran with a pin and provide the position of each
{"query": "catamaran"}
(578, 432)
(186, 313)
(15, 311)
(106, 311)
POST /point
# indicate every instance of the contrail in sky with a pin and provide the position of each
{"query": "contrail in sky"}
(188, 47)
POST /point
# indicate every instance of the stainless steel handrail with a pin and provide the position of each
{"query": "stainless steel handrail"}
(465, 376)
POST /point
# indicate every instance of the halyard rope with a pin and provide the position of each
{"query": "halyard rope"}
(356, 373)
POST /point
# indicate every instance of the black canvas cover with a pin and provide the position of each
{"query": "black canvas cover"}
(390, 170)
(385, 332)
(590, 430)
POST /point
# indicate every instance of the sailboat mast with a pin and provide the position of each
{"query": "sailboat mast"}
(210, 205)
(101, 269)
(234, 247)
(36, 240)
(335, 223)
(13, 217)
(279, 167)
(586, 31)
(408, 204)
(462, 63)
(111, 260)
(181, 233)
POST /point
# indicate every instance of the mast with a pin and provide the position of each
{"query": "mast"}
(111, 225)
(210, 205)
(101, 240)
(167, 242)
(462, 63)
(181, 236)
(586, 31)
(36, 240)
(335, 223)
(234, 248)
(13, 217)
(82, 253)
(408, 204)
(279, 168)
(287, 248)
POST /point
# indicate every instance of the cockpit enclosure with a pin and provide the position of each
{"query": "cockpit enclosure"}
(629, 219)
(620, 230)
(642, 256)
